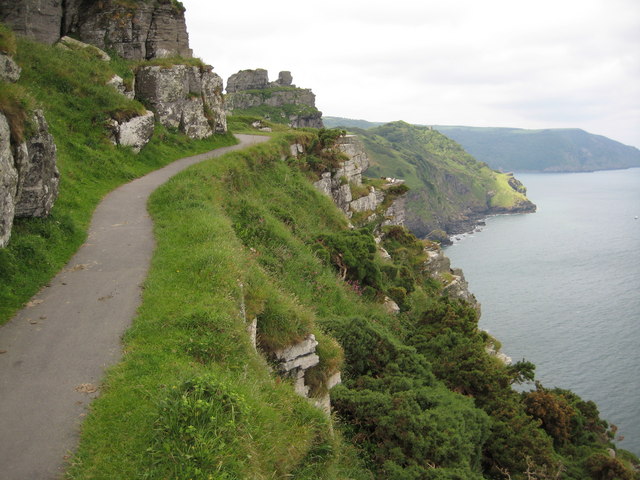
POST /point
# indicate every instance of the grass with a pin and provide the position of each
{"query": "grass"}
(70, 88)
(203, 402)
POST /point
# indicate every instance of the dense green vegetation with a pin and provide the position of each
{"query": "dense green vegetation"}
(450, 189)
(247, 236)
(549, 150)
(70, 88)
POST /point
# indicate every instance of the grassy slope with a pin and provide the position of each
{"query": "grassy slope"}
(69, 87)
(446, 181)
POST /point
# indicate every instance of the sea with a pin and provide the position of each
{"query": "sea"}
(561, 287)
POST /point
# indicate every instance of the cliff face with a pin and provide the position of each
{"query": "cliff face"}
(249, 91)
(135, 30)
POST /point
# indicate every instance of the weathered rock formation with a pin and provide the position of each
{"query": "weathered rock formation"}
(438, 266)
(184, 97)
(295, 360)
(68, 43)
(337, 185)
(135, 132)
(250, 89)
(29, 177)
(135, 29)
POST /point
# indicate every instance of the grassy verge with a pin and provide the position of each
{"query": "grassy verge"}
(69, 87)
(202, 401)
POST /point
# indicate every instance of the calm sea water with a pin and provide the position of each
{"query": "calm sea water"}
(561, 287)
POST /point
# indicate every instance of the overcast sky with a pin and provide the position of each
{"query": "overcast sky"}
(503, 63)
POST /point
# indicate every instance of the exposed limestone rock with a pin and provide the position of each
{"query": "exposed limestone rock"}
(248, 80)
(69, 43)
(301, 355)
(337, 185)
(9, 70)
(37, 19)
(438, 266)
(28, 175)
(134, 133)
(396, 214)
(38, 175)
(184, 97)
(252, 330)
(8, 183)
(390, 306)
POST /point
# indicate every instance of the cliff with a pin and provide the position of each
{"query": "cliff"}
(450, 190)
(249, 92)
(136, 30)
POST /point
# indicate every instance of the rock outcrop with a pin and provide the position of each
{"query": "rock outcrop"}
(135, 29)
(338, 185)
(295, 360)
(281, 101)
(438, 266)
(29, 177)
(135, 132)
(184, 97)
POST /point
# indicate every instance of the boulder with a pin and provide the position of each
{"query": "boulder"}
(184, 97)
(134, 133)
(248, 80)
(9, 70)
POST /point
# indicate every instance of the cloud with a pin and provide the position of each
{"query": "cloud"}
(541, 64)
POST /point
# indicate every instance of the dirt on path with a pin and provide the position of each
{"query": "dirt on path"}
(56, 349)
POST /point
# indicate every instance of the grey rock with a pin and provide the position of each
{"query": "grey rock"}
(38, 177)
(396, 214)
(367, 203)
(284, 79)
(37, 19)
(136, 132)
(248, 80)
(300, 349)
(9, 70)
(147, 30)
(252, 330)
(390, 306)
(183, 97)
(8, 183)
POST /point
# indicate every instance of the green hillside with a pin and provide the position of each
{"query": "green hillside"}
(247, 236)
(549, 150)
(450, 190)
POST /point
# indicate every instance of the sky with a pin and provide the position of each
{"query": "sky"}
(498, 63)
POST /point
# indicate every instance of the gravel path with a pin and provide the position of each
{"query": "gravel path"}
(56, 349)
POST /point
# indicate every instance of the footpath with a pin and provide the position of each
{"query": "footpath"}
(57, 348)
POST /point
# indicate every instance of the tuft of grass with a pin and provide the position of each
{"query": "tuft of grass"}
(8, 44)
(16, 104)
